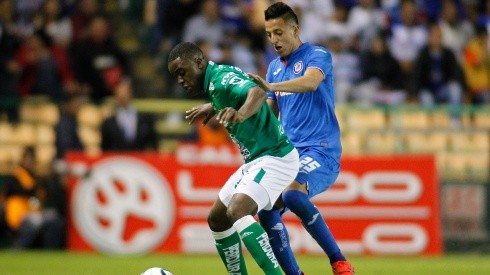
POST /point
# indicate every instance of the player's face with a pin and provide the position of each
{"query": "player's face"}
(188, 74)
(282, 35)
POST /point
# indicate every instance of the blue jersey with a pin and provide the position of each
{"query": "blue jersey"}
(308, 118)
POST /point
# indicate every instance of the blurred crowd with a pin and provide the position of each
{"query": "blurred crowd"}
(385, 52)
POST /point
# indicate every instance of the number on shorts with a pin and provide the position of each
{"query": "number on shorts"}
(308, 164)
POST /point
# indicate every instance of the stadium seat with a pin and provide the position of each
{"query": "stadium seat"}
(89, 115)
(45, 135)
(470, 141)
(460, 165)
(5, 155)
(15, 153)
(6, 133)
(482, 119)
(440, 119)
(410, 120)
(381, 142)
(89, 136)
(365, 119)
(352, 143)
(28, 112)
(425, 142)
(24, 134)
(45, 154)
(48, 113)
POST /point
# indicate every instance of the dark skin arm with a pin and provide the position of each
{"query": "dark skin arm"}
(255, 98)
(254, 101)
(204, 111)
(273, 105)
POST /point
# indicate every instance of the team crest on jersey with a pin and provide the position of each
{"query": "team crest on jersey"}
(298, 66)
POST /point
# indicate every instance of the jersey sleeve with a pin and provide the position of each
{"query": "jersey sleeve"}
(238, 85)
(320, 59)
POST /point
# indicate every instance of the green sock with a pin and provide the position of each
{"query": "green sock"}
(257, 243)
(229, 248)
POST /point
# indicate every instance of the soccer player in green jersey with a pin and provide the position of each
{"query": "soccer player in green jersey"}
(270, 161)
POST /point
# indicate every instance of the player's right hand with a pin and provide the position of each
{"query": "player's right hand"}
(204, 111)
(266, 86)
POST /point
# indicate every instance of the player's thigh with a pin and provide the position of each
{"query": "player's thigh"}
(266, 178)
(228, 190)
(318, 169)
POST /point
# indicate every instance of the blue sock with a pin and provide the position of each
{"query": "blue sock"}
(300, 204)
(279, 239)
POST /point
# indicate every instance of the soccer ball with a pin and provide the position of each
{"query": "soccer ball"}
(156, 271)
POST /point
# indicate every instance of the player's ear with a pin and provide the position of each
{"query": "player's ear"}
(200, 62)
(296, 29)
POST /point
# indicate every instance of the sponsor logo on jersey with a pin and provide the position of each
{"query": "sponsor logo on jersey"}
(276, 72)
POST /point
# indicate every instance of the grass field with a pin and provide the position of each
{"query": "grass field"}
(53, 263)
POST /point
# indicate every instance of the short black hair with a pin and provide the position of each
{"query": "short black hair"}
(279, 9)
(185, 50)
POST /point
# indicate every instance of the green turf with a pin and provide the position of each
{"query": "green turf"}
(53, 263)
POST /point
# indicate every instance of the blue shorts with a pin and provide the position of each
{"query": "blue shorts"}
(319, 168)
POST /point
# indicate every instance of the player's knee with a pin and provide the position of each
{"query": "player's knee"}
(218, 223)
(267, 216)
(264, 215)
(235, 213)
(294, 200)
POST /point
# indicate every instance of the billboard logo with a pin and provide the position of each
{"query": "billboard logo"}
(124, 206)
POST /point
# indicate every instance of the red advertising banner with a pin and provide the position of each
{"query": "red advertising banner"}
(150, 202)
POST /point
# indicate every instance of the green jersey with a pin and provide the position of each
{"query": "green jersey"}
(259, 135)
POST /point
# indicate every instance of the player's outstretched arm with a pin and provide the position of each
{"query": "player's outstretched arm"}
(205, 111)
(261, 82)
(305, 83)
(254, 101)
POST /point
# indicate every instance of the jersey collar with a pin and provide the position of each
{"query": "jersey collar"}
(295, 53)
(207, 76)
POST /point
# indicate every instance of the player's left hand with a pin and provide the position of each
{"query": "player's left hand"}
(266, 86)
(204, 111)
(229, 116)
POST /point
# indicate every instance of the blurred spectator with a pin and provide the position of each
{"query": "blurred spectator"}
(484, 17)
(25, 211)
(313, 16)
(59, 28)
(127, 129)
(438, 75)
(8, 47)
(476, 65)
(67, 137)
(456, 32)
(27, 16)
(242, 54)
(44, 68)
(175, 15)
(206, 25)
(336, 24)
(381, 81)
(99, 63)
(234, 14)
(365, 20)
(81, 18)
(213, 134)
(346, 69)
(406, 39)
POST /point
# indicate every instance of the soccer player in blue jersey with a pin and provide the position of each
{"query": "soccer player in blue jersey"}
(301, 90)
